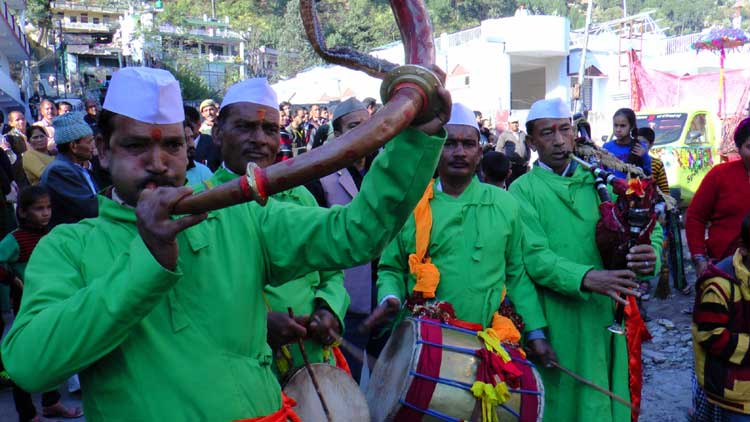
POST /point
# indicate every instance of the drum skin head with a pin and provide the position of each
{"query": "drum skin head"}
(390, 379)
(343, 397)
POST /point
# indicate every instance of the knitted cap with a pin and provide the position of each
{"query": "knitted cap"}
(70, 127)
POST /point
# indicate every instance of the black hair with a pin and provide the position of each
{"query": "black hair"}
(66, 103)
(530, 126)
(495, 166)
(37, 128)
(745, 233)
(477, 113)
(27, 197)
(742, 133)
(296, 111)
(64, 148)
(186, 123)
(630, 116)
(284, 104)
(647, 133)
(191, 114)
(106, 125)
(223, 115)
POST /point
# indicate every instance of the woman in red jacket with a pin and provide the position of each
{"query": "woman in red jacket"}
(721, 202)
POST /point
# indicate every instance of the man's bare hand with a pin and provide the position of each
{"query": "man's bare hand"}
(382, 313)
(284, 330)
(642, 259)
(157, 229)
(542, 351)
(324, 327)
(611, 283)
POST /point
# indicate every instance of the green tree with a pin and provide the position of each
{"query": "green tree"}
(193, 87)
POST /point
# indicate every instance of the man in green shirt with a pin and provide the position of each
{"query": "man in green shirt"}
(318, 299)
(475, 242)
(163, 317)
(559, 207)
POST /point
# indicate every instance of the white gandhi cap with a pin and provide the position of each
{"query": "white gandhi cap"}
(462, 115)
(254, 90)
(554, 108)
(145, 94)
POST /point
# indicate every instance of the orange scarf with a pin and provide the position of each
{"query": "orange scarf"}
(427, 274)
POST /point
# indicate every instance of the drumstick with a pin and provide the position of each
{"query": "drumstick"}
(354, 350)
(301, 344)
(584, 381)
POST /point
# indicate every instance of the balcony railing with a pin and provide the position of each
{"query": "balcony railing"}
(17, 34)
(90, 26)
(111, 7)
(211, 32)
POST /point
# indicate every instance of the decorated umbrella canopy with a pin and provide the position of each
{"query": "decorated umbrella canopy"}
(720, 40)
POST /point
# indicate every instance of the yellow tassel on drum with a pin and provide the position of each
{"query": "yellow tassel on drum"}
(492, 343)
(491, 397)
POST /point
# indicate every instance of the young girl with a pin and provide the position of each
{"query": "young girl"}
(33, 213)
(625, 144)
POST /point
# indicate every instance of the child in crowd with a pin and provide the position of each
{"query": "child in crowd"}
(33, 213)
(721, 335)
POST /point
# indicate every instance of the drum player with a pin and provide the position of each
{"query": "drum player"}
(475, 236)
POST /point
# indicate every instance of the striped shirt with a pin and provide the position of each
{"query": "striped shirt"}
(660, 176)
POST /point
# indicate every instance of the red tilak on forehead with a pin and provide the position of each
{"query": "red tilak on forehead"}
(156, 134)
(554, 127)
(261, 114)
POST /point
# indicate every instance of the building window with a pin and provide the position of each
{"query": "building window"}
(95, 20)
(84, 18)
(105, 19)
(60, 16)
(73, 18)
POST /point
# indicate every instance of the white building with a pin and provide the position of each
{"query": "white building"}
(502, 66)
(14, 53)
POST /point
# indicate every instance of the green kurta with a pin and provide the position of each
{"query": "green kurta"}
(560, 215)
(190, 345)
(9, 250)
(476, 244)
(305, 294)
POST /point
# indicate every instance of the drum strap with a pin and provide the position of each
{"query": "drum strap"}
(420, 263)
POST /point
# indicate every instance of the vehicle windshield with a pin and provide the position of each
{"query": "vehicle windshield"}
(667, 126)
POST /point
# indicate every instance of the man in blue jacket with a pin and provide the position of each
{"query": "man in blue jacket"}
(72, 188)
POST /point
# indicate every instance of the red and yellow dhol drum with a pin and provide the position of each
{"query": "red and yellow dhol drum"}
(426, 373)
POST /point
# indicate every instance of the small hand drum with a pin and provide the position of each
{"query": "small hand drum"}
(439, 360)
(345, 401)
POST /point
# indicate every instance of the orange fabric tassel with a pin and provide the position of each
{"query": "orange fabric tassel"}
(505, 329)
(426, 273)
(341, 362)
(285, 414)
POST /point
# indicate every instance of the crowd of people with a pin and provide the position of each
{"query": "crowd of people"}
(448, 211)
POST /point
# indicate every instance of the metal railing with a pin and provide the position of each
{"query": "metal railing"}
(210, 32)
(680, 44)
(104, 27)
(110, 7)
(20, 36)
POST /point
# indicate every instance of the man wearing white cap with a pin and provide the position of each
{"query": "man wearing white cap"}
(171, 308)
(559, 207)
(318, 299)
(475, 244)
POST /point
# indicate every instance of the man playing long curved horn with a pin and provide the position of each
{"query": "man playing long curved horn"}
(166, 304)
